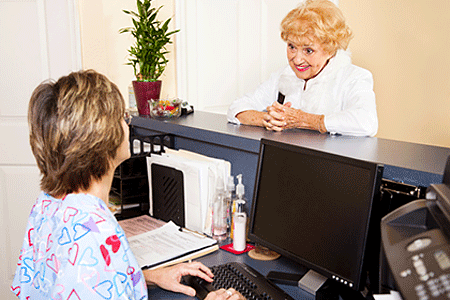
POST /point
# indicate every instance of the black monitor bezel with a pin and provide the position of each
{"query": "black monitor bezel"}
(376, 175)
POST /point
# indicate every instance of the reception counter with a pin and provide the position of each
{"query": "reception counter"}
(210, 134)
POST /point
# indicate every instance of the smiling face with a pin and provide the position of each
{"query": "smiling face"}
(306, 57)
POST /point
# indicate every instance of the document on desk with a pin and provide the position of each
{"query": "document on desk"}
(168, 245)
(139, 225)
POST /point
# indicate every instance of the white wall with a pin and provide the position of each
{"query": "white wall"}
(226, 48)
(223, 49)
(39, 40)
(403, 43)
(106, 51)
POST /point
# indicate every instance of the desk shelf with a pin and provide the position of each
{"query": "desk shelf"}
(130, 184)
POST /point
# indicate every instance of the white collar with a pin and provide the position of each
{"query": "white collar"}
(336, 63)
(289, 83)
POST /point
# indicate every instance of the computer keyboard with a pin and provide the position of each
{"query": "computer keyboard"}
(249, 282)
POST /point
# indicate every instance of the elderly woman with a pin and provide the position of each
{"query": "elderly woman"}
(73, 246)
(320, 89)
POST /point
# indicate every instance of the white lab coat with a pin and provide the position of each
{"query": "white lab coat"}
(342, 92)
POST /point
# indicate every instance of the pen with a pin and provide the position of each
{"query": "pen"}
(202, 235)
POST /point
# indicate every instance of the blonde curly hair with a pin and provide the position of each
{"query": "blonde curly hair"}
(319, 20)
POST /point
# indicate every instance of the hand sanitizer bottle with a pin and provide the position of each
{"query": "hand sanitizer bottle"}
(240, 222)
(239, 216)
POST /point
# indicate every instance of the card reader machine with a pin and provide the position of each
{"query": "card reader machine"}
(416, 241)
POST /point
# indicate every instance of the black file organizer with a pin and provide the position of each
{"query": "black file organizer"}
(130, 183)
(393, 195)
(168, 194)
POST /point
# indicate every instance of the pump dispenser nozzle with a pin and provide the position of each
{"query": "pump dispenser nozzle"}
(240, 189)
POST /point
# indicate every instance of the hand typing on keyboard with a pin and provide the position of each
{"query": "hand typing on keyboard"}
(232, 277)
(169, 278)
(228, 294)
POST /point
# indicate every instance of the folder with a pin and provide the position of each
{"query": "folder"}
(192, 197)
(201, 175)
(217, 169)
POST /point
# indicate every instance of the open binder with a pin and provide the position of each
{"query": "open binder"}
(157, 244)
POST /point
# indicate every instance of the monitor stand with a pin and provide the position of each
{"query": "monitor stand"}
(316, 284)
(311, 282)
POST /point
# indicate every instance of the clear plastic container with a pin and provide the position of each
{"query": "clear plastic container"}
(219, 213)
(165, 108)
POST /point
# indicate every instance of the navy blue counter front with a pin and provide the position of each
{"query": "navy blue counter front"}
(220, 257)
(210, 134)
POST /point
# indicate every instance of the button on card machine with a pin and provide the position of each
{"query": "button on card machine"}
(416, 242)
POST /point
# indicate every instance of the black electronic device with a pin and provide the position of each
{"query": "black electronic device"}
(243, 278)
(280, 98)
(315, 208)
(416, 241)
(284, 278)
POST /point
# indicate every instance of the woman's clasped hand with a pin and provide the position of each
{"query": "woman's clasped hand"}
(280, 117)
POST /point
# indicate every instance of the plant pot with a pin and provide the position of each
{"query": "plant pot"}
(145, 91)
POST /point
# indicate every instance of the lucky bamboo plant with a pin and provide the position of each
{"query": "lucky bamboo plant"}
(147, 55)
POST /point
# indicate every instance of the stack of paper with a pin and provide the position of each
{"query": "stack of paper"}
(201, 175)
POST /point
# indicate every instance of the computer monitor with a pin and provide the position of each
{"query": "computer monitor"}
(315, 208)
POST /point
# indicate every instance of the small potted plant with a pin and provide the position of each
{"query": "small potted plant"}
(147, 55)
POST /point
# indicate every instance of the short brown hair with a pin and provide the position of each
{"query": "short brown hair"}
(75, 130)
(318, 19)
